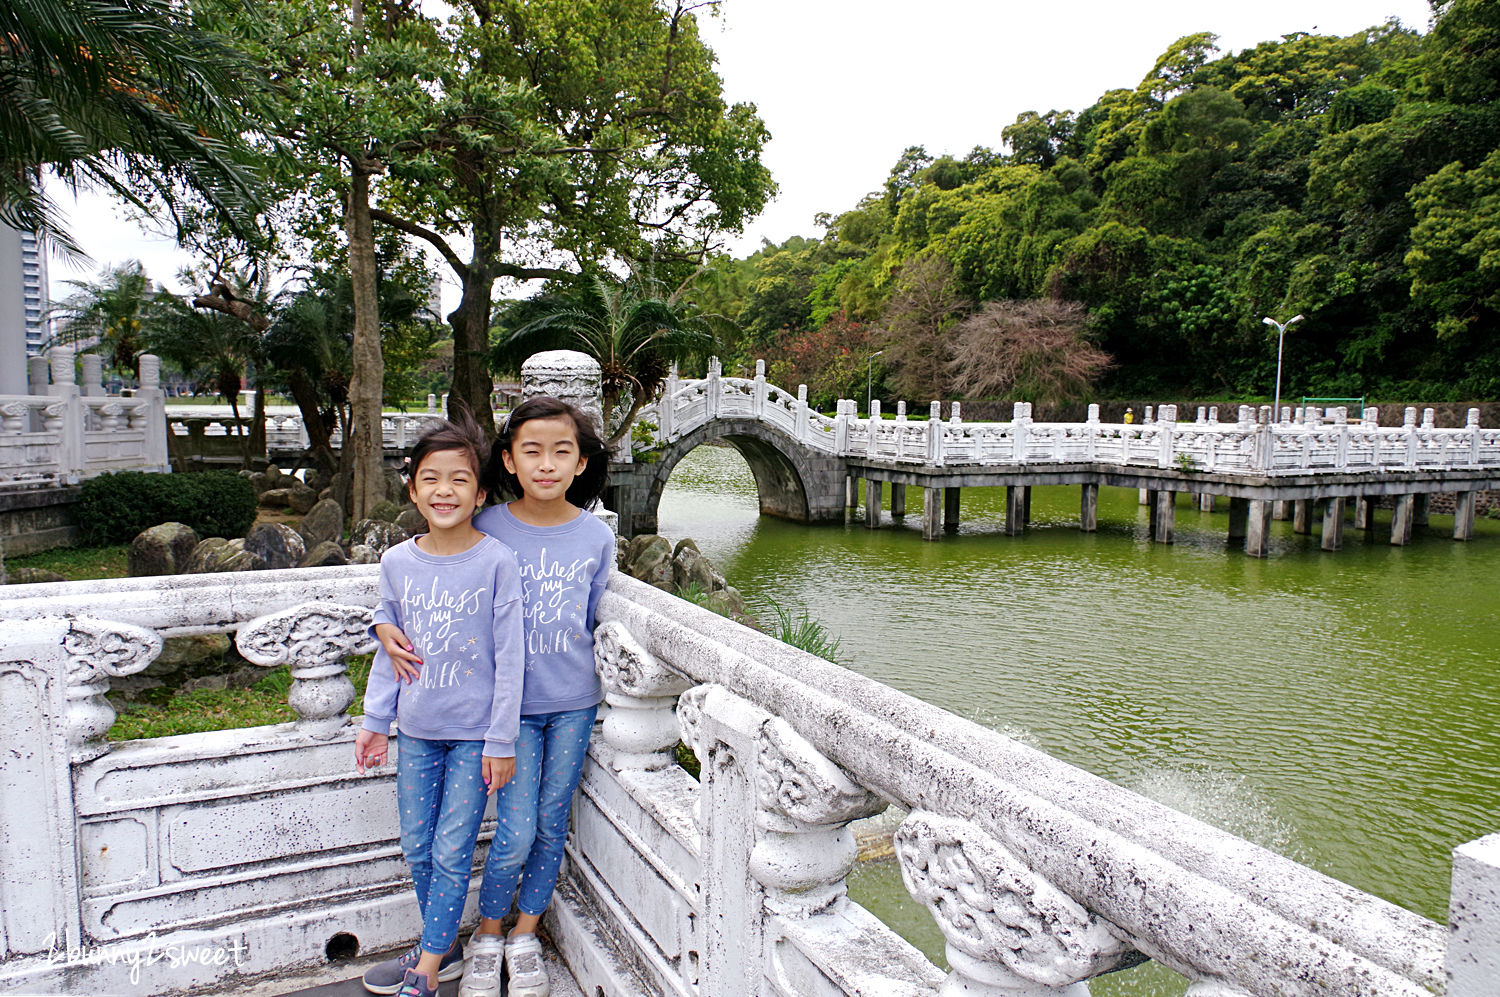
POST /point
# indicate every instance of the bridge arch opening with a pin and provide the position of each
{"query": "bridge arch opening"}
(790, 482)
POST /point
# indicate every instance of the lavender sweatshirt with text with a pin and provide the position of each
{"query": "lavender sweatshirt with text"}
(462, 615)
(563, 573)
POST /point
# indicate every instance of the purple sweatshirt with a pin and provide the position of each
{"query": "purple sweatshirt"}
(563, 573)
(462, 615)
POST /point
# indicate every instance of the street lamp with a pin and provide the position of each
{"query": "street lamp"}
(1281, 328)
(869, 374)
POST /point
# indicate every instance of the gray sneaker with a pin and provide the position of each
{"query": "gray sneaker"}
(415, 985)
(482, 970)
(523, 964)
(386, 977)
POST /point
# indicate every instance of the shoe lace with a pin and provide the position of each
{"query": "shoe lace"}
(485, 963)
(525, 962)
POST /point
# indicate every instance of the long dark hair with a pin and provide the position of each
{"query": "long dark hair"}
(457, 432)
(591, 481)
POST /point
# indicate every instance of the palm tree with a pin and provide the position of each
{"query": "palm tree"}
(122, 95)
(210, 348)
(108, 315)
(636, 329)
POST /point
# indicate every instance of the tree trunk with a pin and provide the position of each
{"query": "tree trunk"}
(319, 450)
(471, 347)
(258, 423)
(367, 472)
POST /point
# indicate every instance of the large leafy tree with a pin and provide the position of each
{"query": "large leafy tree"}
(120, 95)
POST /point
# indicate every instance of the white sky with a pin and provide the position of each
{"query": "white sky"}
(845, 85)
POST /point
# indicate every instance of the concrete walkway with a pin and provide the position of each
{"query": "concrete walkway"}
(342, 979)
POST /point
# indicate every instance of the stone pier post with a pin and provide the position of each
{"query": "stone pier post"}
(1144, 494)
(872, 503)
(1026, 505)
(1206, 502)
(1364, 513)
(1088, 509)
(1164, 517)
(1401, 519)
(1302, 516)
(1420, 509)
(1463, 515)
(1239, 514)
(1474, 919)
(932, 513)
(898, 500)
(1015, 510)
(1280, 512)
(1257, 536)
(851, 491)
(950, 508)
(1333, 524)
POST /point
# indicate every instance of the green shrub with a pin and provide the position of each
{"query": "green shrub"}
(113, 508)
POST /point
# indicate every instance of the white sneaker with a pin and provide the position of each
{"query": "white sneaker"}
(523, 964)
(482, 967)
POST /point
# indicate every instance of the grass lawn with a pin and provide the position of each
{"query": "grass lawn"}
(77, 563)
(207, 709)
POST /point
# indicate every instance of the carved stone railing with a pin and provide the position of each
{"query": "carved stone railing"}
(1040, 876)
(1302, 441)
(216, 435)
(67, 430)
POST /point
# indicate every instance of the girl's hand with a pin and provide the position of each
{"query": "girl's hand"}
(497, 772)
(404, 660)
(370, 750)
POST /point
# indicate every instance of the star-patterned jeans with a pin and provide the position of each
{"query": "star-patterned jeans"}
(440, 793)
(531, 812)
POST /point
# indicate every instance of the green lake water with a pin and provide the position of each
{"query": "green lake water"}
(1338, 708)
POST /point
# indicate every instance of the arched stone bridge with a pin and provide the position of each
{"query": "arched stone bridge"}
(807, 465)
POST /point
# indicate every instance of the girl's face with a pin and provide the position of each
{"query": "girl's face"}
(544, 457)
(446, 489)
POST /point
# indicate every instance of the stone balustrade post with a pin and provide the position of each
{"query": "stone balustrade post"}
(66, 417)
(91, 384)
(935, 434)
(1409, 427)
(666, 409)
(713, 388)
(1166, 417)
(1297, 414)
(1202, 418)
(1265, 442)
(874, 415)
(150, 414)
(801, 428)
(432, 403)
(1371, 416)
(760, 388)
(1020, 418)
(1471, 427)
(315, 639)
(901, 411)
(1473, 961)
(641, 724)
(1092, 422)
(1246, 416)
(1213, 415)
(568, 375)
(1150, 415)
(841, 428)
(1009, 931)
(1428, 420)
(36, 375)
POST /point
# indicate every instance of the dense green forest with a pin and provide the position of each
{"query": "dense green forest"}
(1132, 248)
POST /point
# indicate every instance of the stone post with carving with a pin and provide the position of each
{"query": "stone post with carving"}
(566, 374)
(315, 639)
(641, 724)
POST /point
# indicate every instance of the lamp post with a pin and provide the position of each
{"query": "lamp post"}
(1281, 328)
(869, 377)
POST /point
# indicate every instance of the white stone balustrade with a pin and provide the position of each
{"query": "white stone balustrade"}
(217, 434)
(69, 430)
(264, 843)
(1304, 441)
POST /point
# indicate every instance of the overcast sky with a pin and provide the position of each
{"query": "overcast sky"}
(845, 85)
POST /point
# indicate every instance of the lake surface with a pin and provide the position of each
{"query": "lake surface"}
(1338, 708)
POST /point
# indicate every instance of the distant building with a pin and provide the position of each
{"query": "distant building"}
(34, 290)
(24, 327)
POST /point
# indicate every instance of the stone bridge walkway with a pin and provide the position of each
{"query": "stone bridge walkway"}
(342, 979)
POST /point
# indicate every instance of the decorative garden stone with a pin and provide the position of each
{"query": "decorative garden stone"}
(323, 555)
(376, 534)
(386, 511)
(217, 554)
(301, 499)
(162, 550)
(324, 521)
(276, 544)
(411, 521)
(363, 554)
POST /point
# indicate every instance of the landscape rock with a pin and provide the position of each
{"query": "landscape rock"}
(691, 570)
(386, 511)
(276, 544)
(217, 554)
(260, 482)
(395, 486)
(31, 576)
(411, 521)
(361, 554)
(649, 558)
(276, 498)
(376, 534)
(727, 601)
(301, 499)
(317, 479)
(686, 543)
(324, 521)
(162, 550)
(217, 683)
(324, 555)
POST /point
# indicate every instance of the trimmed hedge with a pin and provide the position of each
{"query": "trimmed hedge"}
(113, 508)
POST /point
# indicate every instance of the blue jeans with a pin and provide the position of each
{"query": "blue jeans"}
(532, 812)
(441, 799)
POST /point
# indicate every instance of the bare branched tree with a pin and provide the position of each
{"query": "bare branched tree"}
(915, 325)
(1034, 350)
